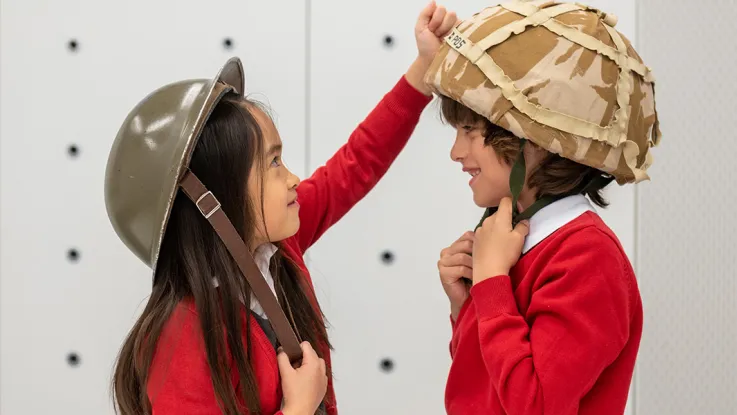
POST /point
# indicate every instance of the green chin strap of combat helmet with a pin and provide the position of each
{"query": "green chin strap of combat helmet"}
(517, 183)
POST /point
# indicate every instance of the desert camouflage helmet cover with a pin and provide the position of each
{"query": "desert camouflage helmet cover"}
(559, 75)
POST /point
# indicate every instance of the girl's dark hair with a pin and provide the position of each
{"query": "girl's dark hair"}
(553, 176)
(192, 254)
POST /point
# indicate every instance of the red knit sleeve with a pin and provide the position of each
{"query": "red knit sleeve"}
(451, 345)
(453, 327)
(333, 189)
(580, 317)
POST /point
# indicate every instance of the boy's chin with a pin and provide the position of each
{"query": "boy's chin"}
(484, 201)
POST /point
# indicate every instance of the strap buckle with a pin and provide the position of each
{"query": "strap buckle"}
(214, 209)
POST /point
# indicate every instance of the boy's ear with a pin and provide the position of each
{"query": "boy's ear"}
(534, 154)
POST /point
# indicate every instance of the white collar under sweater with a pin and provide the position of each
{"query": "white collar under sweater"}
(554, 216)
(262, 257)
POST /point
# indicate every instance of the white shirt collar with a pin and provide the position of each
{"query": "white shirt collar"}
(554, 216)
(262, 257)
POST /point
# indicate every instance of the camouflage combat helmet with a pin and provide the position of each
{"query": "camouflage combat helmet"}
(559, 75)
(148, 165)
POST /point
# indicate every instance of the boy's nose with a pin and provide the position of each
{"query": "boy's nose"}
(459, 151)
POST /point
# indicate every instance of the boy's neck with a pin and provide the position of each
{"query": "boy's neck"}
(526, 199)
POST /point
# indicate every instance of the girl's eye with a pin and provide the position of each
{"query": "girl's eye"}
(276, 162)
(468, 128)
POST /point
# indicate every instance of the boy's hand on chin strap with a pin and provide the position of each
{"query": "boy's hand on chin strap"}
(497, 247)
(456, 267)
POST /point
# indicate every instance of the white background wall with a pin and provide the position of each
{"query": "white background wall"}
(322, 68)
(687, 223)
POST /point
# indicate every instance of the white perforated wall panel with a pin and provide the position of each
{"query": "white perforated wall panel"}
(70, 71)
(62, 321)
(686, 221)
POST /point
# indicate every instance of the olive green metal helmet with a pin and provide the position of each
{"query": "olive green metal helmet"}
(152, 151)
(149, 163)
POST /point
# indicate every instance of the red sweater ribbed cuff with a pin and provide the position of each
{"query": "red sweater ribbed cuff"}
(494, 297)
(405, 99)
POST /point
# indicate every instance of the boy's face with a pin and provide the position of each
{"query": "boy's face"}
(489, 174)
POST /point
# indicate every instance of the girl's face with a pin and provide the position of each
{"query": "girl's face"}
(280, 211)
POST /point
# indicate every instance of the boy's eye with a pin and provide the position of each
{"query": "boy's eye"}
(468, 128)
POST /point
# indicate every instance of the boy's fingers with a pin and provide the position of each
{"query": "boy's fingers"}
(459, 245)
(463, 272)
(489, 222)
(464, 260)
(505, 212)
(456, 259)
(463, 246)
(467, 236)
(453, 274)
(522, 228)
(505, 206)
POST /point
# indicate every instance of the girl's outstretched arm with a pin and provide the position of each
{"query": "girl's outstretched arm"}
(334, 188)
(354, 170)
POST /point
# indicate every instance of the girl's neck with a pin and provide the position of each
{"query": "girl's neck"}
(254, 246)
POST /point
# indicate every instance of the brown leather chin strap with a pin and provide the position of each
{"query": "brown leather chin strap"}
(209, 206)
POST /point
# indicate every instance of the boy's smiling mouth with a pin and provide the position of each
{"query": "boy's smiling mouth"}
(474, 174)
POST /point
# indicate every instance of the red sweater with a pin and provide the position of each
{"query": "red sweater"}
(558, 336)
(180, 380)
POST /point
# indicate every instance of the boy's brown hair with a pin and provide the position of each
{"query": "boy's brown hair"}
(554, 176)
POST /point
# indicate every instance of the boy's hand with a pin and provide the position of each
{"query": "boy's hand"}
(434, 23)
(497, 246)
(432, 26)
(455, 267)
